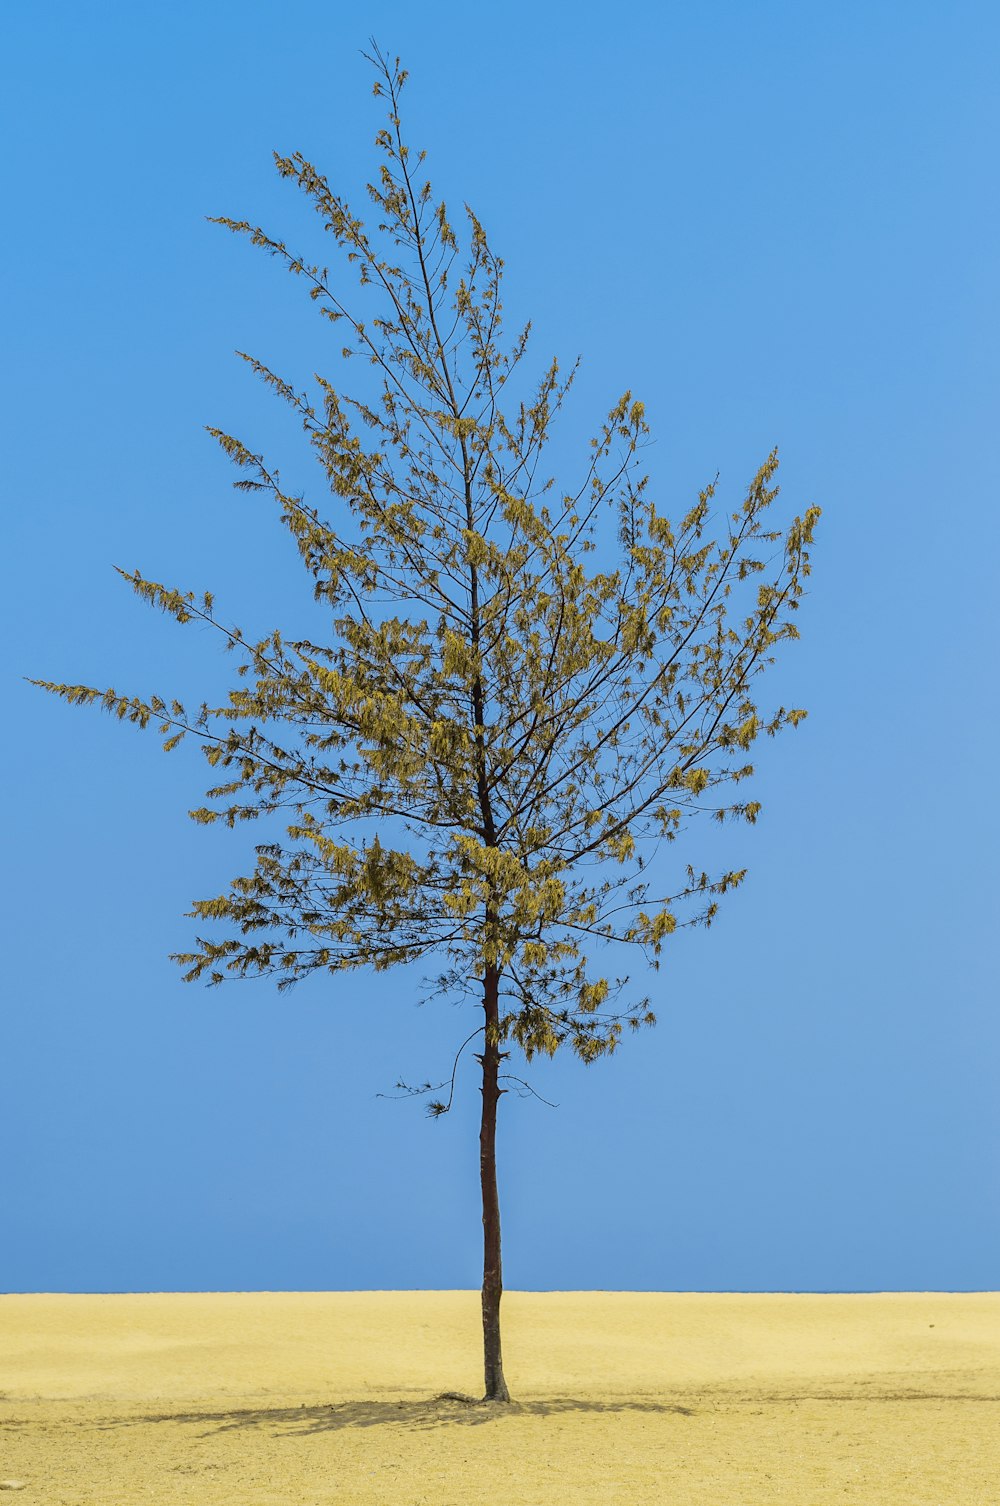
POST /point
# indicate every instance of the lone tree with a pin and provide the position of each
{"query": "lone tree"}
(523, 690)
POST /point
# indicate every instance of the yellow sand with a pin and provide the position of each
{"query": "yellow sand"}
(686, 1400)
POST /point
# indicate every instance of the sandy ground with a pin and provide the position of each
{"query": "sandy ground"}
(320, 1398)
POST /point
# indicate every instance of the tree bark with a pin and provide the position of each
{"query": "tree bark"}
(496, 1386)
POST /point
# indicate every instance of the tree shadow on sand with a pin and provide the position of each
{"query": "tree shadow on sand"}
(439, 1411)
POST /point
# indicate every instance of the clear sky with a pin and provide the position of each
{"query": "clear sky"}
(777, 223)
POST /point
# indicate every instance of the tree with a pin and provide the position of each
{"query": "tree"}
(523, 693)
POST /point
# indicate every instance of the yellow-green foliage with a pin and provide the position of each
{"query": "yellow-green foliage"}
(469, 767)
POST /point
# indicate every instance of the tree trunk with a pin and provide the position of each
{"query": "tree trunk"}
(496, 1386)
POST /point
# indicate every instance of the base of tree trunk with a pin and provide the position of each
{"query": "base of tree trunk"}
(471, 1401)
(498, 1393)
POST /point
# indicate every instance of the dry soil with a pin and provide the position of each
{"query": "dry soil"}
(253, 1399)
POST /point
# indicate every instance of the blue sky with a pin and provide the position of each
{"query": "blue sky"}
(776, 223)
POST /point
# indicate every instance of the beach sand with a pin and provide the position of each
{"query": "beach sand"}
(253, 1399)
